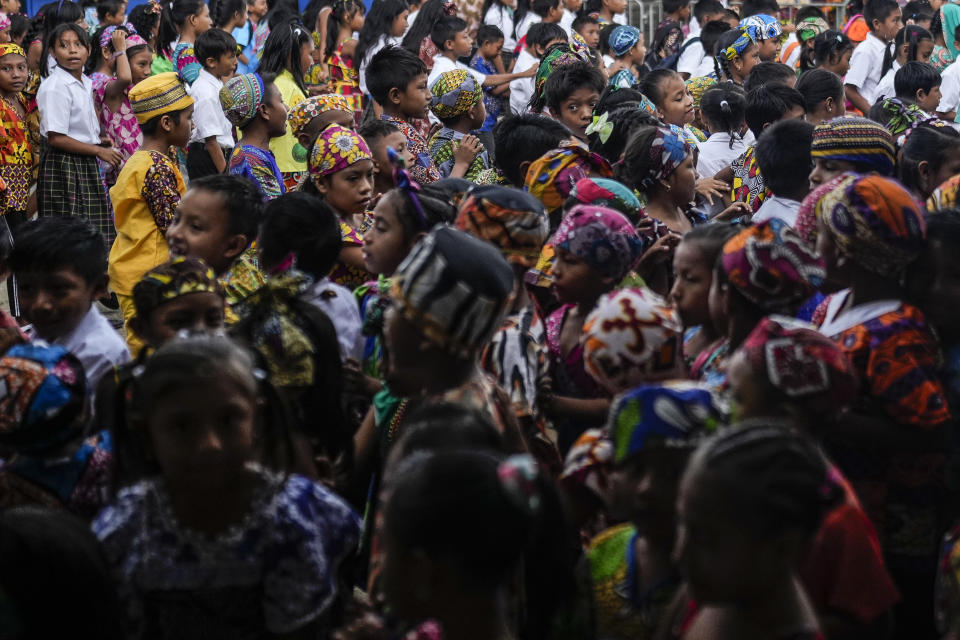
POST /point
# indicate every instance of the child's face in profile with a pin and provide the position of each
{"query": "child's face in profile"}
(576, 110)
(381, 160)
(691, 287)
(399, 26)
(572, 5)
(274, 112)
(117, 18)
(414, 101)
(769, 49)
(461, 45)
(574, 280)
(746, 390)
(10, 6)
(194, 312)
(202, 230)
(13, 73)
(676, 104)
(258, 9)
(650, 482)
(56, 301)
(349, 190)
(224, 66)
(385, 244)
(491, 49)
(826, 169)
(887, 29)
(590, 33)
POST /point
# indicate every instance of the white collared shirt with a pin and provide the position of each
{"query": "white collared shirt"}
(521, 89)
(716, 153)
(208, 118)
(695, 61)
(66, 106)
(866, 63)
(776, 207)
(341, 307)
(950, 88)
(442, 64)
(886, 88)
(566, 22)
(502, 18)
(526, 22)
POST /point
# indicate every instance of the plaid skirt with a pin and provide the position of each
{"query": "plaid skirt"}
(71, 185)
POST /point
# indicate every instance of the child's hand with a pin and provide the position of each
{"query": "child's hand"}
(735, 210)
(119, 41)
(110, 155)
(711, 187)
(531, 72)
(467, 150)
(660, 252)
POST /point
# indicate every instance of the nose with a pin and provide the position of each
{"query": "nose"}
(675, 290)
(42, 302)
(679, 546)
(173, 231)
(208, 441)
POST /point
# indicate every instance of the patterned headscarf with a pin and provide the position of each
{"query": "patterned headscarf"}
(667, 40)
(874, 221)
(589, 463)
(622, 39)
(772, 267)
(762, 27)
(854, 139)
(801, 363)
(811, 27)
(668, 150)
(605, 192)
(4, 21)
(107, 34)
(900, 116)
(601, 237)
(557, 57)
(698, 86)
(512, 220)
(42, 398)
(736, 49)
(632, 336)
(335, 149)
(551, 177)
(950, 18)
(674, 414)
(454, 94)
(306, 110)
(944, 196)
(178, 277)
(806, 224)
(241, 96)
(7, 48)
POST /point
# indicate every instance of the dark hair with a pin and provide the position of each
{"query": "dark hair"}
(783, 155)
(281, 51)
(710, 239)
(612, 97)
(767, 104)
(175, 14)
(19, 25)
(446, 28)
(721, 65)
(213, 43)
(524, 138)
(756, 7)
(95, 59)
(670, 6)
(808, 11)
(107, 7)
(48, 244)
(878, 10)
(55, 36)
(222, 11)
(710, 33)
(435, 211)
(151, 126)
(542, 33)
(427, 17)
(925, 143)
(543, 7)
(392, 68)
(340, 11)
(768, 73)
(830, 44)
(704, 8)
(52, 15)
(724, 106)
(911, 35)
(817, 85)
(490, 33)
(651, 84)
(918, 11)
(605, 32)
(944, 225)
(447, 426)
(625, 120)
(374, 129)
(637, 163)
(144, 20)
(567, 79)
(243, 202)
(914, 76)
(379, 22)
(579, 22)
(305, 226)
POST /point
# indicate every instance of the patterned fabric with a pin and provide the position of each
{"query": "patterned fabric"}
(271, 573)
(623, 79)
(71, 185)
(622, 39)
(854, 139)
(345, 80)
(762, 27)
(511, 220)
(604, 192)
(517, 359)
(772, 267)
(348, 275)
(589, 463)
(811, 27)
(941, 58)
(157, 95)
(747, 181)
(493, 104)
(950, 19)
(423, 169)
(240, 98)
(875, 222)
(944, 196)
(698, 86)
(335, 149)
(601, 237)
(7, 48)
(668, 150)
(306, 110)
(736, 49)
(178, 277)
(242, 280)
(710, 366)
(443, 147)
(455, 93)
(551, 177)
(185, 62)
(260, 166)
(557, 57)
(120, 126)
(632, 336)
(162, 190)
(16, 152)
(901, 117)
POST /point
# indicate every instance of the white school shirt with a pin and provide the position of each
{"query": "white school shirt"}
(208, 118)
(886, 88)
(620, 18)
(411, 18)
(950, 88)
(695, 61)
(716, 154)
(784, 209)
(521, 89)
(866, 63)
(566, 22)
(341, 307)
(526, 22)
(502, 18)
(66, 106)
(368, 56)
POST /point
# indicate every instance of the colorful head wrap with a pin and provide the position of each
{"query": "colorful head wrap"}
(7, 48)
(944, 196)
(241, 96)
(589, 462)
(556, 58)
(512, 220)
(950, 18)
(107, 34)
(802, 364)
(674, 415)
(622, 39)
(698, 86)
(335, 149)
(604, 192)
(772, 267)
(306, 110)
(157, 95)
(4, 21)
(856, 140)
(762, 27)
(42, 398)
(455, 288)
(454, 94)
(811, 27)
(552, 176)
(874, 221)
(806, 224)
(668, 150)
(632, 336)
(601, 237)
(901, 117)
(736, 49)
(178, 277)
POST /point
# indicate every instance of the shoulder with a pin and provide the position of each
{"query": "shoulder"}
(606, 550)
(307, 510)
(119, 519)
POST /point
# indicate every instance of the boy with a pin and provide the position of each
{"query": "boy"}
(756, 7)
(588, 27)
(780, 150)
(397, 80)
(541, 37)
(767, 33)
(692, 53)
(458, 103)
(454, 42)
(766, 73)
(61, 269)
(380, 135)
(920, 84)
(212, 140)
(112, 12)
(571, 93)
(148, 188)
(216, 222)
(884, 19)
(790, 51)
(571, 10)
(520, 140)
(489, 44)
(676, 11)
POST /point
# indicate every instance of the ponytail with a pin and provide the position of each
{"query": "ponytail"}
(725, 106)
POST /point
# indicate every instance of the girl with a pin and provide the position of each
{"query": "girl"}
(124, 60)
(750, 501)
(736, 55)
(929, 156)
(145, 19)
(182, 21)
(850, 144)
(256, 10)
(943, 28)
(287, 54)
(910, 43)
(17, 150)
(69, 182)
(723, 109)
(607, 11)
(224, 523)
(668, 93)
(832, 51)
(417, 40)
(665, 48)
(49, 17)
(228, 14)
(823, 95)
(347, 17)
(385, 25)
(499, 13)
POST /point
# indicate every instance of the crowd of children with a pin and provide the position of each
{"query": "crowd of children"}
(438, 321)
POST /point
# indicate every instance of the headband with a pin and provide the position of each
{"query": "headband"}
(667, 152)
(737, 48)
(11, 47)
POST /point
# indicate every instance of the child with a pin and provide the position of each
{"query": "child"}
(380, 136)
(313, 115)
(669, 94)
(944, 30)
(872, 57)
(212, 140)
(530, 12)
(256, 10)
(253, 105)
(571, 11)
(489, 46)
(780, 150)
(850, 144)
(340, 53)
(722, 109)
(540, 38)
(823, 96)
(451, 38)
(766, 32)
(69, 182)
(245, 513)
(586, 27)
(458, 103)
(626, 45)
(145, 19)
(767, 73)
(694, 60)
(928, 158)
(737, 54)
(61, 269)
(384, 26)
(17, 152)
(521, 140)
(918, 83)
(148, 189)
(398, 82)
(111, 12)
(832, 51)
(182, 22)
(228, 15)
(808, 23)
(571, 93)
(950, 90)
(911, 44)
(499, 15)
(607, 11)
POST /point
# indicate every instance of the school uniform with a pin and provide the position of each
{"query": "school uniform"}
(694, 60)
(886, 88)
(526, 22)
(442, 64)
(865, 66)
(716, 152)
(521, 89)
(502, 18)
(208, 120)
(785, 209)
(566, 22)
(950, 88)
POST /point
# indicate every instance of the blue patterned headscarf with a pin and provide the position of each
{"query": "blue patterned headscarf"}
(737, 48)
(667, 152)
(622, 39)
(762, 27)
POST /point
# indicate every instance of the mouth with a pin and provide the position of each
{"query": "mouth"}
(177, 250)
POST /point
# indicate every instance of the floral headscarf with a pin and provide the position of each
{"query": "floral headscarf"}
(178, 277)
(306, 110)
(336, 149)
(698, 86)
(608, 193)
(557, 57)
(601, 237)
(668, 150)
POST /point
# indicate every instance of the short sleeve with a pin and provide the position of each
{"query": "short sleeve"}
(690, 58)
(860, 63)
(208, 117)
(50, 102)
(185, 60)
(949, 90)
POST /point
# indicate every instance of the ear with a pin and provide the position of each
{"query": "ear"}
(209, 62)
(523, 169)
(394, 95)
(322, 184)
(235, 246)
(921, 95)
(923, 169)
(100, 286)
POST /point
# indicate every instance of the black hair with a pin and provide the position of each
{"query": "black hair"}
(625, 120)
(489, 33)
(524, 138)
(542, 33)
(281, 51)
(543, 7)
(817, 85)
(829, 45)
(144, 20)
(447, 426)
(305, 226)
(710, 239)
(311, 12)
(54, 36)
(95, 59)
(422, 27)
(375, 129)
(19, 25)
(605, 32)
(911, 35)
(913, 77)
(564, 81)
(340, 11)
(175, 14)
(637, 163)
(435, 211)
(580, 21)
(52, 559)
(756, 7)
(612, 97)
(52, 15)
(379, 22)
(721, 65)
(704, 8)
(446, 28)
(107, 7)
(944, 225)
(925, 143)
(519, 13)
(768, 73)
(392, 68)
(767, 104)
(51, 243)
(710, 33)
(151, 126)
(222, 11)
(783, 155)
(213, 43)
(808, 11)
(281, 12)
(918, 11)
(878, 10)
(242, 200)
(670, 6)
(724, 106)
(651, 84)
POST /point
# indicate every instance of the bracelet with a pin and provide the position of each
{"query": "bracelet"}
(118, 54)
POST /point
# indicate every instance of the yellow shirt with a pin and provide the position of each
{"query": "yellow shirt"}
(283, 147)
(145, 198)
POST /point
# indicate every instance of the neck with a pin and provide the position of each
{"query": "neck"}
(798, 195)
(255, 134)
(662, 207)
(105, 68)
(867, 287)
(394, 112)
(9, 95)
(450, 374)
(475, 617)
(155, 143)
(187, 35)
(585, 306)
(449, 55)
(76, 73)
(462, 125)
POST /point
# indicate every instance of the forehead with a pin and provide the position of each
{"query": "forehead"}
(205, 204)
(583, 94)
(12, 58)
